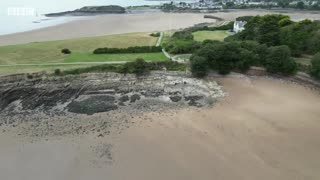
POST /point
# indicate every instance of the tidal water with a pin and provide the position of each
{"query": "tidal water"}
(12, 24)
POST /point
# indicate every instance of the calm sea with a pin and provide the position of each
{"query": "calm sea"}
(13, 24)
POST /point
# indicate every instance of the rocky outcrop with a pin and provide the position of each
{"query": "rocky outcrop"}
(95, 93)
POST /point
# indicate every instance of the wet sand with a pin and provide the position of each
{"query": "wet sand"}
(129, 23)
(265, 129)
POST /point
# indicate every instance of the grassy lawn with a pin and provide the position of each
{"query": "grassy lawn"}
(44, 52)
(212, 35)
(89, 57)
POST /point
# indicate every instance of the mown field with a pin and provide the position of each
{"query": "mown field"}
(44, 52)
(212, 35)
(82, 48)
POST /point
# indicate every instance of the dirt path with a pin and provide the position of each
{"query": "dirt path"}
(265, 129)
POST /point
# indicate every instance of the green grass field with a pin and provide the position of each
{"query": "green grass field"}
(50, 52)
(89, 57)
(212, 35)
(44, 52)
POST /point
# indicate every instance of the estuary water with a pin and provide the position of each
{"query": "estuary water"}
(18, 23)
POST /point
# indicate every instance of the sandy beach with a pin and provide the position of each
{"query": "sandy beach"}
(264, 129)
(128, 23)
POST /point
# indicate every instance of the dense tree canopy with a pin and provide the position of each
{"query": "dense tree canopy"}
(279, 61)
(181, 42)
(199, 66)
(225, 57)
(222, 57)
(274, 30)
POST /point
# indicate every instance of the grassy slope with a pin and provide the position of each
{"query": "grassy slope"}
(50, 52)
(89, 57)
(44, 52)
(212, 35)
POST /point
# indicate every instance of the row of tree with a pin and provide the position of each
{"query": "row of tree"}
(273, 30)
(269, 41)
(135, 49)
(225, 57)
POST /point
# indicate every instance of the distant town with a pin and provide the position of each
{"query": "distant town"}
(241, 4)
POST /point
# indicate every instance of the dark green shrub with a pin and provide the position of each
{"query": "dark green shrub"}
(183, 35)
(157, 34)
(279, 61)
(57, 72)
(136, 49)
(285, 22)
(139, 67)
(182, 46)
(315, 66)
(222, 57)
(199, 66)
(65, 51)
(246, 59)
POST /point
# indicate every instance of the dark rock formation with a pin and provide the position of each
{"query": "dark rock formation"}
(175, 98)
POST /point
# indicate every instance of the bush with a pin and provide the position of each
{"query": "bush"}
(182, 46)
(136, 49)
(129, 67)
(139, 67)
(279, 61)
(313, 44)
(274, 30)
(204, 27)
(182, 42)
(223, 57)
(57, 72)
(246, 59)
(155, 34)
(285, 22)
(65, 51)
(315, 66)
(199, 66)
(183, 35)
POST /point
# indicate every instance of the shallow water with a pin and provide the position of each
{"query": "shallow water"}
(13, 24)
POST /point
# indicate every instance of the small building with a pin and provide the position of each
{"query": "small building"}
(238, 26)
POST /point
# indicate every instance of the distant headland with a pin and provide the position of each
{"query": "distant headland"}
(91, 10)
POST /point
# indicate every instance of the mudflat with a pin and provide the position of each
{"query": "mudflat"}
(129, 23)
(263, 129)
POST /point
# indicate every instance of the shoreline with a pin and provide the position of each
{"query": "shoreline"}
(256, 122)
(103, 25)
(128, 23)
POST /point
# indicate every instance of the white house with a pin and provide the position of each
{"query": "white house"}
(238, 26)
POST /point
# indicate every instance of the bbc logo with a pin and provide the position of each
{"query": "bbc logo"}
(19, 11)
